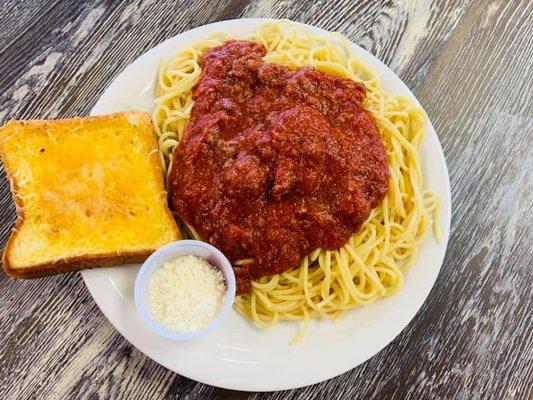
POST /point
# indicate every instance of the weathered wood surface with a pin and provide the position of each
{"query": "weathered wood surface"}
(470, 64)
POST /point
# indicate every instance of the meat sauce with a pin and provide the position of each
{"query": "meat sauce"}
(275, 162)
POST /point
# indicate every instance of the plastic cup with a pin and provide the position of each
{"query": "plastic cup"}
(169, 253)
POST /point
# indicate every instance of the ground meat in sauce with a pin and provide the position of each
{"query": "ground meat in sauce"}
(275, 162)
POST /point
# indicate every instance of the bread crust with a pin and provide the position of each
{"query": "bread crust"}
(18, 206)
(71, 264)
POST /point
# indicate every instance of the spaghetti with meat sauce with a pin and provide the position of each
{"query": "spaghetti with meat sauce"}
(275, 162)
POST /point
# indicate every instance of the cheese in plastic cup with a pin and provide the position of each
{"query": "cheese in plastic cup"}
(169, 253)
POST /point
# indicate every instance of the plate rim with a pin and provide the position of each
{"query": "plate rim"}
(273, 386)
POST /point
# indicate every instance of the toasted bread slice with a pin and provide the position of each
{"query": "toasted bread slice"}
(89, 192)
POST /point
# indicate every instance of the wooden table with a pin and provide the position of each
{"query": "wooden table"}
(470, 64)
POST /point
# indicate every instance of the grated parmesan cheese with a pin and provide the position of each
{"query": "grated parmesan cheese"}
(186, 294)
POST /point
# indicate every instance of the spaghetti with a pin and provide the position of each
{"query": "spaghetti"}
(369, 266)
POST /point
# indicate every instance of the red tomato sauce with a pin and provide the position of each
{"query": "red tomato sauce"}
(275, 162)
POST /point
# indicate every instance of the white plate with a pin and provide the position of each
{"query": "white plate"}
(238, 355)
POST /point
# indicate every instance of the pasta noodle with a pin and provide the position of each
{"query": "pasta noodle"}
(369, 266)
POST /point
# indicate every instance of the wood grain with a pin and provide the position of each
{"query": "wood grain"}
(470, 64)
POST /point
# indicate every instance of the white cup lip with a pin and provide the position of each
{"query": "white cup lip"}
(155, 261)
